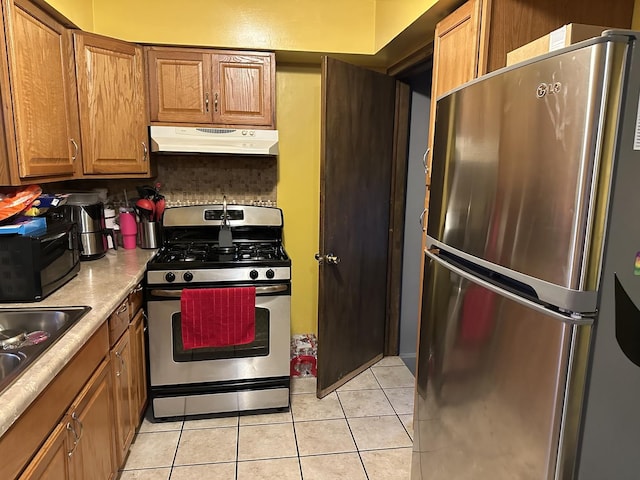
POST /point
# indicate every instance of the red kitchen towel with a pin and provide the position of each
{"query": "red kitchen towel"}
(218, 317)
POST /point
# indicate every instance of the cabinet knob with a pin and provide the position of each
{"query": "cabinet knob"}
(215, 103)
(206, 102)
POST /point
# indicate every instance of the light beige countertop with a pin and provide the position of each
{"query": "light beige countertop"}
(101, 284)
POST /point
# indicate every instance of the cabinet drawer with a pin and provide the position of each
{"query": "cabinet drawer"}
(135, 300)
(119, 321)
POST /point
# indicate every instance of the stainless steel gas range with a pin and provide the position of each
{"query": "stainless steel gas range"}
(212, 247)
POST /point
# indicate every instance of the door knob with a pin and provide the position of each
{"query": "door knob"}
(329, 258)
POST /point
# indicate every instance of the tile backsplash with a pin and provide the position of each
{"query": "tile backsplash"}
(195, 179)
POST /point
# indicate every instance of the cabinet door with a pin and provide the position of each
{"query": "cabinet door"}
(179, 85)
(51, 461)
(123, 395)
(91, 418)
(456, 53)
(138, 366)
(43, 90)
(242, 90)
(112, 110)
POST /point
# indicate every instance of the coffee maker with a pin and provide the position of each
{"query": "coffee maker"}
(87, 211)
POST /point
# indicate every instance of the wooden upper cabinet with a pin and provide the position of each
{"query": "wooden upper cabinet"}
(243, 86)
(179, 86)
(456, 55)
(211, 87)
(112, 108)
(41, 119)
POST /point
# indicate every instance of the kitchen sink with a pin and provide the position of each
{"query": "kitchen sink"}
(25, 333)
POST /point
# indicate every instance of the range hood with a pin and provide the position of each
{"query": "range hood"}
(214, 140)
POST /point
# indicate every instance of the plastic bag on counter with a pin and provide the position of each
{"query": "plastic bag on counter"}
(14, 201)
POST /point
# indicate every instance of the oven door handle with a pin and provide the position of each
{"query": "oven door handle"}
(259, 291)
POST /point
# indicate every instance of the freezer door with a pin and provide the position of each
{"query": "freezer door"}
(516, 161)
(491, 389)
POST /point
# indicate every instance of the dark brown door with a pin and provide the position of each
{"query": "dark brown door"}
(355, 183)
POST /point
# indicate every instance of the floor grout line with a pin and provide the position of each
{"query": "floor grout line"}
(237, 446)
(353, 436)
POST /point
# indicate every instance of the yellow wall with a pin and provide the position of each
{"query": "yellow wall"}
(79, 12)
(336, 26)
(298, 117)
(393, 16)
(303, 25)
(635, 22)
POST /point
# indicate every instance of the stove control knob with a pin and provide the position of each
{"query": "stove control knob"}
(170, 277)
(188, 276)
(253, 274)
(270, 274)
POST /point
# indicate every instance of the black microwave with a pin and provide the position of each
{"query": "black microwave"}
(33, 266)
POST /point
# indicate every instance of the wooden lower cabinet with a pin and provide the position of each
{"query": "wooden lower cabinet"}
(139, 367)
(123, 395)
(92, 437)
(52, 463)
(82, 444)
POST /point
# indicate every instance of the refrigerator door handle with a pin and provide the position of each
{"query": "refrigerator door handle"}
(570, 318)
(584, 301)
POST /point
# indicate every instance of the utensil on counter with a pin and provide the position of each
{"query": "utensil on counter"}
(160, 206)
(147, 191)
(145, 208)
(225, 238)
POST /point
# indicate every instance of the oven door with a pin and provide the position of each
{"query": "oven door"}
(268, 356)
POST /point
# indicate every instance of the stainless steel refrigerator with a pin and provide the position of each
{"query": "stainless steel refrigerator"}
(530, 334)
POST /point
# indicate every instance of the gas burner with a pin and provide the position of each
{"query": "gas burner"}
(224, 250)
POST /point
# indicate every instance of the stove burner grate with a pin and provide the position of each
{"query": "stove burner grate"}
(188, 252)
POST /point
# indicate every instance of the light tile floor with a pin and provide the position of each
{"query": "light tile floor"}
(363, 431)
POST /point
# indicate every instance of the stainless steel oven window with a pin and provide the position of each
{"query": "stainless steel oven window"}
(164, 370)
